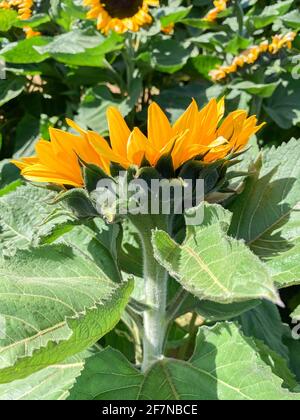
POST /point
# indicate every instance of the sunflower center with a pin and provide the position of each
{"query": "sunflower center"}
(122, 8)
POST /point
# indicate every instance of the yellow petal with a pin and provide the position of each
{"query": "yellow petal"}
(159, 127)
(75, 126)
(136, 147)
(119, 131)
(103, 148)
(40, 173)
(188, 119)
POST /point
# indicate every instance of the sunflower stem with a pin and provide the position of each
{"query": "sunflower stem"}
(155, 286)
(240, 16)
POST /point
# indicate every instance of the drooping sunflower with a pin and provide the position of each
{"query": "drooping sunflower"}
(120, 15)
(253, 53)
(204, 135)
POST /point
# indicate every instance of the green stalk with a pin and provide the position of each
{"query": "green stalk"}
(240, 16)
(155, 284)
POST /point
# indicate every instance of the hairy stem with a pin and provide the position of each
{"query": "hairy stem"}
(155, 278)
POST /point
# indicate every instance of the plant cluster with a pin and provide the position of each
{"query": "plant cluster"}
(101, 303)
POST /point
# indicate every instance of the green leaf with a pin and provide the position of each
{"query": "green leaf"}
(173, 14)
(66, 12)
(262, 90)
(284, 106)
(122, 380)
(212, 311)
(169, 56)
(203, 64)
(266, 214)
(296, 314)
(7, 19)
(55, 302)
(270, 13)
(27, 134)
(92, 110)
(10, 89)
(236, 44)
(199, 23)
(264, 323)
(226, 365)
(21, 215)
(34, 21)
(24, 52)
(278, 364)
(8, 173)
(291, 340)
(292, 19)
(198, 264)
(79, 49)
(52, 383)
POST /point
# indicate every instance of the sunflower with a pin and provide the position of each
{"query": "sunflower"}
(203, 134)
(120, 15)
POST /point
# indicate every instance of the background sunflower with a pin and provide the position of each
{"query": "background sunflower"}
(120, 15)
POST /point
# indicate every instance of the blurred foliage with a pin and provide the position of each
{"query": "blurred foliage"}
(72, 70)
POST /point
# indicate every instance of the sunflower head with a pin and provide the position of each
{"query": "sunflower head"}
(201, 144)
(120, 15)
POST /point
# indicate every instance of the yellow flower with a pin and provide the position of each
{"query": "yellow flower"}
(198, 134)
(120, 15)
(252, 54)
(220, 6)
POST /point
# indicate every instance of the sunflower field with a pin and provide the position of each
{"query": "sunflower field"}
(149, 202)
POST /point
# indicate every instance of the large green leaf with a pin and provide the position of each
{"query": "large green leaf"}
(54, 303)
(266, 214)
(52, 383)
(270, 13)
(23, 52)
(22, 214)
(263, 90)
(284, 105)
(264, 323)
(199, 263)
(77, 48)
(292, 19)
(107, 376)
(8, 18)
(226, 365)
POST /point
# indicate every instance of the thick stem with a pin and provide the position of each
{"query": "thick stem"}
(155, 323)
(155, 278)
